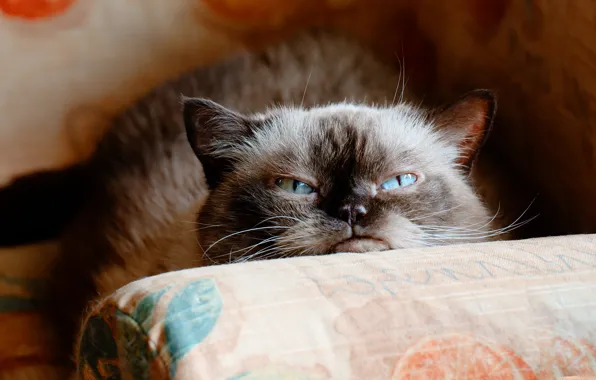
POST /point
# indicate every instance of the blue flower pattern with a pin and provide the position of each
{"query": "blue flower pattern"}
(112, 334)
(191, 316)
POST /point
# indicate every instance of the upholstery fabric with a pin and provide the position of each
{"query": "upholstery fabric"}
(521, 310)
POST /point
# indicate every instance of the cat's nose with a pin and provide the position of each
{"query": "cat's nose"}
(352, 213)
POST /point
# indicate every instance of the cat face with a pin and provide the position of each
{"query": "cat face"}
(340, 178)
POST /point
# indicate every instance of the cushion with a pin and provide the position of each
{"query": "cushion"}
(506, 310)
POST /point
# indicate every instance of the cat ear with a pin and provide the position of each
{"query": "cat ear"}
(467, 123)
(213, 132)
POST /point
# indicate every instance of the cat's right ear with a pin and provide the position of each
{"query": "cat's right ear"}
(213, 132)
(466, 123)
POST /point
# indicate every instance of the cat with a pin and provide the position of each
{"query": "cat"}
(304, 148)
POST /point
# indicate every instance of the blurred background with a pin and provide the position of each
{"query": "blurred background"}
(67, 66)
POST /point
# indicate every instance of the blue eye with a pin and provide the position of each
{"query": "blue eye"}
(294, 186)
(401, 180)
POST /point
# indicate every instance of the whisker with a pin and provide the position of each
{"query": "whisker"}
(243, 232)
(279, 217)
(282, 241)
(480, 235)
(251, 247)
(465, 227)
(426, 216)
(396, 90)
(274, 249)
(305, 88)
(290, 243)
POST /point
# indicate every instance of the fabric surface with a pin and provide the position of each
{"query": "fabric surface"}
(70, 65)
(506, 310)
(27, 340)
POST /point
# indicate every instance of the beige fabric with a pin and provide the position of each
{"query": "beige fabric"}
(63, 75)
(519, 310)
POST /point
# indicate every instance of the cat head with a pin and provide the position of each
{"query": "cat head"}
(339, 178)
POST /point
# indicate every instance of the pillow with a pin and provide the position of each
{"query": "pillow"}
(506, 310)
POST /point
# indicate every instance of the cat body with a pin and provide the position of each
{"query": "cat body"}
(300, 149)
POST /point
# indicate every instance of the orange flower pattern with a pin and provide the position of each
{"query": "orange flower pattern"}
(457, 356)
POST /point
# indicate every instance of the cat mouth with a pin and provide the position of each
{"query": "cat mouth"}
(360, 245)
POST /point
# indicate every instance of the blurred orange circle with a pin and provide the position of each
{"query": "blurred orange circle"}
(34, 9)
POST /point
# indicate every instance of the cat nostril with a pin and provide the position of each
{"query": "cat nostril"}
(352, 213)
(345, 214)
(358, 212)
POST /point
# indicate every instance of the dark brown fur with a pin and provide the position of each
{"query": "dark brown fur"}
(345, 152)
(147, 183)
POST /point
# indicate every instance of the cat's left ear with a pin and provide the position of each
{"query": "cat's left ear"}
(214, 133)
(467, 123)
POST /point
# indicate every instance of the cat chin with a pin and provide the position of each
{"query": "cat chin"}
(360, 245)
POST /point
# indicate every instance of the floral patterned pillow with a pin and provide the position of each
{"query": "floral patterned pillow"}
(505, 310)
